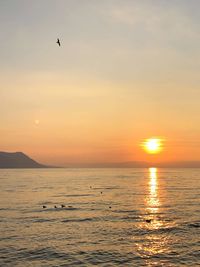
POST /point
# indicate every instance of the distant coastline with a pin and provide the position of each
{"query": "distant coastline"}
(9, 160)
(136, 164)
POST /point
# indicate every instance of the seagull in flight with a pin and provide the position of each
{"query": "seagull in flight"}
(58, 42)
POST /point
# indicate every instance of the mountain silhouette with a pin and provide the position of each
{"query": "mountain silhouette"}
(18, 160)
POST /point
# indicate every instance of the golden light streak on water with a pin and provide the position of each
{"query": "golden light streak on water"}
(152, 245)
(153, 202)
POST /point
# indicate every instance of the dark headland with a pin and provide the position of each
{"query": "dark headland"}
(18, 160)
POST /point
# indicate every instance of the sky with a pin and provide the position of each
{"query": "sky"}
(126, 70)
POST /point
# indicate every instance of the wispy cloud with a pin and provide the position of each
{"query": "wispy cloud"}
(160, 18)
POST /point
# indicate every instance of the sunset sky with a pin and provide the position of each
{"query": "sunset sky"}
(126, 71)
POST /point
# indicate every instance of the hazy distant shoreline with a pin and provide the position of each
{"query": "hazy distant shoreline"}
(19, 160)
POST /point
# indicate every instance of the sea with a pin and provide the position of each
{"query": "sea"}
(99, 217)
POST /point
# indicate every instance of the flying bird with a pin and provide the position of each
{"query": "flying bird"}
(58, 42)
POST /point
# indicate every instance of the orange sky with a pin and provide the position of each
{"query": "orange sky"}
(125, 71)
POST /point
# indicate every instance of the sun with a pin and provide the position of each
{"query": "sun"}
(152, 145)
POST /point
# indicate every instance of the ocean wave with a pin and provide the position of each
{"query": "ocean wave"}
(78, 220)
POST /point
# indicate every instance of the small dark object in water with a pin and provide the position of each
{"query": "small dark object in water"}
(44, 207)
(55, 207)
(70, 206)
(101, 192)
(62, 206)
(195, 225)
(148, 220)
(110, 207)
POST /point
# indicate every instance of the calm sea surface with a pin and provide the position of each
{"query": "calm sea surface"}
(112, 217)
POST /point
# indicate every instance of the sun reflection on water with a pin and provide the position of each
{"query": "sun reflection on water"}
(153, 243)
(153, 199)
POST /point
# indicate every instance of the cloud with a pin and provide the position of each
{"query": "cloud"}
(170, 20)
